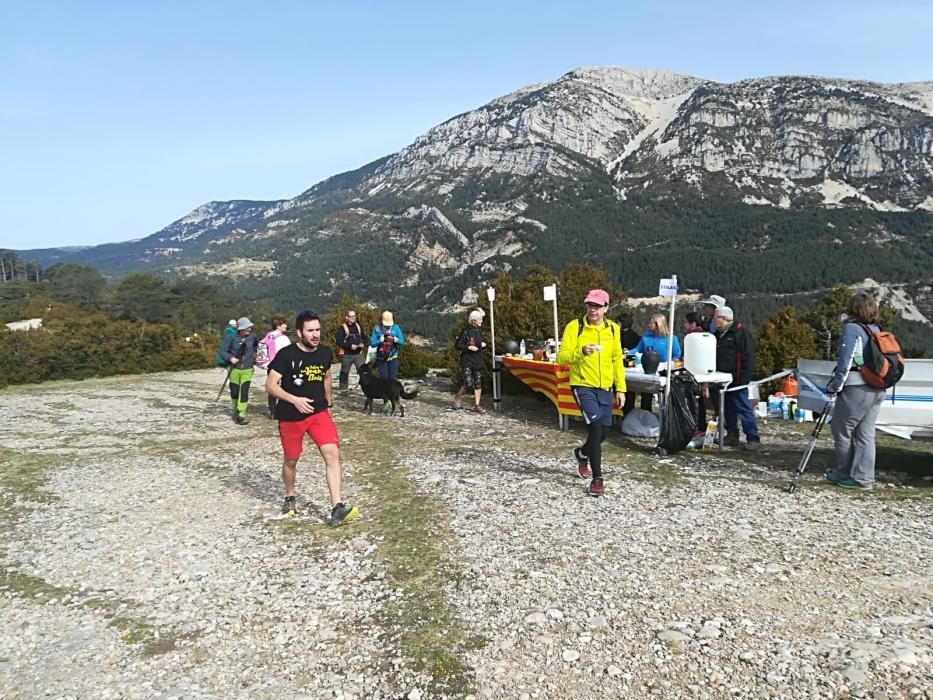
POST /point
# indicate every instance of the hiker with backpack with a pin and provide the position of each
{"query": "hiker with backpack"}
(876, 356)
(268, 348)
(229, 332)
(350, 345)
(387, 339)
(590, 345)
(239, 352)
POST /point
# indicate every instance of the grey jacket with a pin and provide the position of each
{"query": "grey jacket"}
(243, 348)
(850, 353)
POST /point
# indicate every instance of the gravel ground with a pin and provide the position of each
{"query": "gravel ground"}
(142, 555)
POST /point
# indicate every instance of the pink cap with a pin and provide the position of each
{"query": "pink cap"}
(597, 296)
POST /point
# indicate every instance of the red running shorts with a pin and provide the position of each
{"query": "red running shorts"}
(320, 428)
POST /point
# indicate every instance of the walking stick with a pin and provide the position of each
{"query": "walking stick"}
(808, 450)
(224, 385)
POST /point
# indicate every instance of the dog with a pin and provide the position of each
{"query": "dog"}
(386, 389)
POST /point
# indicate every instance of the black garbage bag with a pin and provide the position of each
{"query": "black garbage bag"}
(680, 413)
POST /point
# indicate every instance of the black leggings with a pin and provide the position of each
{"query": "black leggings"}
(593, 447)
(646, 402)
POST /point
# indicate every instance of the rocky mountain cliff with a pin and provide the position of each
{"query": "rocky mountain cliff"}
(772, 185)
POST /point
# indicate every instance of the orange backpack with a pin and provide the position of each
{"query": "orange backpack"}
(882, 361)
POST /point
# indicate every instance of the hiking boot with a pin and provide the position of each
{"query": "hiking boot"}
(731, 440)
(458, 403)
(596, 487)
(479, 409)
(241, 419)
(851, 484)
(290, 508)
(751, 446)
(583, 463)
(343, 514)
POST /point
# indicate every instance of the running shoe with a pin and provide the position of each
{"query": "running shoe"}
(582, 462)
(596, 487)
(479, 409)
(851, 484)
(343, 514)
(241, 419)
(290, 508)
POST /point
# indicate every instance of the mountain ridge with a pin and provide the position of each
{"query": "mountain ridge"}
(632, 168)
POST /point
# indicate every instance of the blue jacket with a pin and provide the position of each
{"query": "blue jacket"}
(851, 347)
(650, 341)
(380, 331)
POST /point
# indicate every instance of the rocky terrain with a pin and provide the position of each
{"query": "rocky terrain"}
(142, 556)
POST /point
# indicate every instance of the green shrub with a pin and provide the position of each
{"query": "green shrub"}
(415, 362)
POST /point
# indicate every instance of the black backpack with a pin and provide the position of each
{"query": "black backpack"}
(605, 323)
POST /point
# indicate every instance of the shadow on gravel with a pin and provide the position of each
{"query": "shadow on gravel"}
(904, 465)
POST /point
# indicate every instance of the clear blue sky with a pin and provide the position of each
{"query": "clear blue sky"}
(116, 118)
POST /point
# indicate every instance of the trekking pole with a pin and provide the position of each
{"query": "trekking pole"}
(821, 421)
(224, 385)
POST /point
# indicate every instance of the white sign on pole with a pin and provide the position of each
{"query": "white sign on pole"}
(550, 292)
(668, 287)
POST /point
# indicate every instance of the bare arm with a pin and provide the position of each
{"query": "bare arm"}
(274, 388)
(329, 388)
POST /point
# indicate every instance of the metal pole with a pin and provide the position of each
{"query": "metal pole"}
(670, 344)
(496, 398)
(556, 330)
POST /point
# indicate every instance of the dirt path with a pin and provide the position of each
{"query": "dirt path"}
(143, 556)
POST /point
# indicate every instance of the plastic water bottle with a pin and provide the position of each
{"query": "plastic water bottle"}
(521, 348)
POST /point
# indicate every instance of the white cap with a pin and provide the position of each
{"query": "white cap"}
(715, 300)
(725, 312)
(477, 315)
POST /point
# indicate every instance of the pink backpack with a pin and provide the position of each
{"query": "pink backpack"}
(265, 351)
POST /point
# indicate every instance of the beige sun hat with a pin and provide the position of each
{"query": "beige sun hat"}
(387, 318)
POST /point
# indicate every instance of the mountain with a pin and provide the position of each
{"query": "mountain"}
(774, 186)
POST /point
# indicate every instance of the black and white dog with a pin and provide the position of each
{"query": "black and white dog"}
(386, 389)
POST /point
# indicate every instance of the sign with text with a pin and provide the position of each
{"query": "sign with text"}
(668, 287)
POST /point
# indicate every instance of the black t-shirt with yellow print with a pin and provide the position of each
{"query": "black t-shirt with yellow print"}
(302, 375)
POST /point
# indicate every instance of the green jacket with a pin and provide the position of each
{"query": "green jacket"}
(601, 370)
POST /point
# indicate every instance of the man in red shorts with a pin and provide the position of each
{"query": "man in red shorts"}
(300, 378)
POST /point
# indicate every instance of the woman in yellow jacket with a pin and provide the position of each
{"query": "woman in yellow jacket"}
(592, 349)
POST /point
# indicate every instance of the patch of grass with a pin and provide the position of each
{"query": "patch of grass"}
(412, 527)
(27, 586)
(23, 475)
(134, 632)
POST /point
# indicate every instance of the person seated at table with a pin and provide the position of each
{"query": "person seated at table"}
(694, 324)
(590, 346)
(629, 337)
(655, 338)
